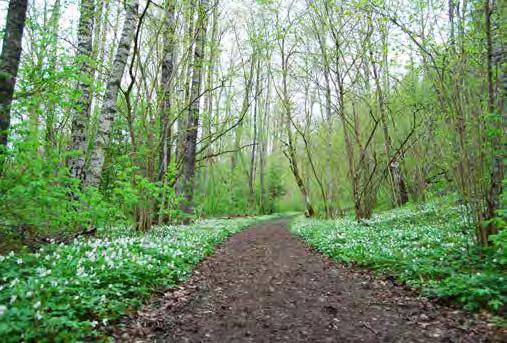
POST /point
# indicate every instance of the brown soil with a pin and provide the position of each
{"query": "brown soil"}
(264, 285)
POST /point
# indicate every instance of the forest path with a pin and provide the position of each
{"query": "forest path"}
(264, 285)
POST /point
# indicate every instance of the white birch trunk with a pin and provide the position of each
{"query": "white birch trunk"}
(109, 107)
(81, 114)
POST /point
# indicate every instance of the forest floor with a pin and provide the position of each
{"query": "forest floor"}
(264, 285)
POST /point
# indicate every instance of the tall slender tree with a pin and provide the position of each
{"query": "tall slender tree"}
(166, 85)
(81, 113)
(498, 143)
(9, 62)
(110, 107)
(185, 183)
(397, 180)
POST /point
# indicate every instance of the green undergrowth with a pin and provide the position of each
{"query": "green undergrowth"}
(427, 247)
(66, 292)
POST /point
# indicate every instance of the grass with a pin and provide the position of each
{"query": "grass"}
(428, 247)
(64, 293)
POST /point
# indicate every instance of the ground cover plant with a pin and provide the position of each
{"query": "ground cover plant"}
(146, 113)
(428, 247)
(65, 292)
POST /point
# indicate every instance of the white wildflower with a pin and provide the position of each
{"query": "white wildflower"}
(36, 305)
(3, 309)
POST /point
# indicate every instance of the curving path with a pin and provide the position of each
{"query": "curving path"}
(264, 285)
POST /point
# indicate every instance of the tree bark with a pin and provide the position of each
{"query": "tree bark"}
(329, 200)
(294, 166)
(210, 79)
(244, 108)
(189, 40)
(253, 154)
(81, 113)
(264, 129)
(185, 183)
(9, 62)
(498, 143)
(109, 108)
(166, 108)
(167, 73)
(291, 147)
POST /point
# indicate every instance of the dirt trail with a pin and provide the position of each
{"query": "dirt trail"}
(264, 285)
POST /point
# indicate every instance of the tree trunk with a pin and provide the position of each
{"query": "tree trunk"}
(166, 108)
(244, 108)
(349, 149)
(400, 195)
(210, 79)
(498, 143)
(109, 108)
(9, 63)
(264, 129)
(185, 183)
(252, 172)
(167, 73)
(294, 166)
(189, 40)
(53, 27)
(291, 147)
(329, 200)
(81, 114)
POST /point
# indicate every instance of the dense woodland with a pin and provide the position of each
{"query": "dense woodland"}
(156, 112)
(148, 113)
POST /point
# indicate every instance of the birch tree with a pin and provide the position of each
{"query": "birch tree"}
(81, 114)
(109, 108)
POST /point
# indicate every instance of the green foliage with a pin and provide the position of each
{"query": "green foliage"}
(65, 292)
(225, 192)
(38, 198)
(130, 191)
(427, 247)
(275, 186)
